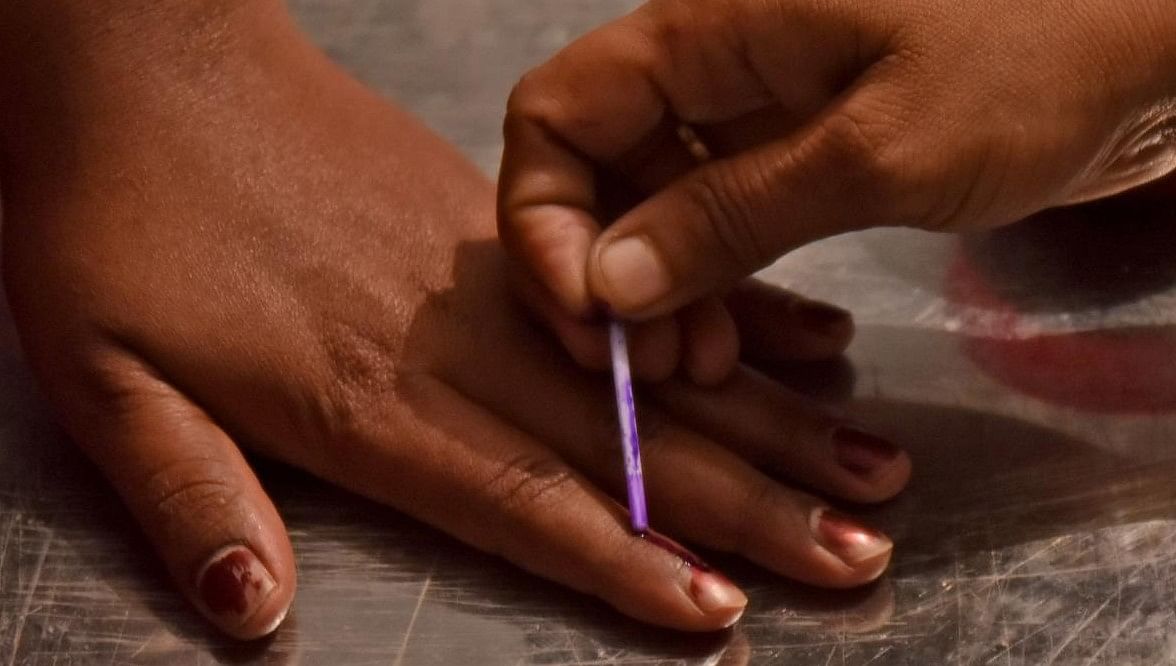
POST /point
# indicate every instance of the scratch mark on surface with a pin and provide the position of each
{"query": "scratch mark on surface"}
(959, 613)
(118, 642)
(28, 602)
(1073, 633)
(415, 612)
(4, 549)
(1114, 635)
(1050, 545)
(1007, 651)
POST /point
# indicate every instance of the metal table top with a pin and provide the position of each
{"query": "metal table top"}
(1031, 372)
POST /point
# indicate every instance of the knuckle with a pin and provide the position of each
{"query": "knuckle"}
(675, 26)
(118, 382)
(584, 353)
(725, 202)
(871, 154)
(359, 359)
(530, 102)
(763, 500)
(359, 363)
(581, 355)
(522, 95)
(653, 427)
(966, 193)
(529, 482)
(192, 488)
(865, 142)
(603, 456)
(605, 437)
(340, 398)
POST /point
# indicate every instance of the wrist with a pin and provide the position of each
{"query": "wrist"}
(70, 68)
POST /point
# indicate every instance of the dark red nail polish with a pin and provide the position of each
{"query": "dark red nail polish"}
(234, 583)
(862, 453)
(848, 539)
(822, 318)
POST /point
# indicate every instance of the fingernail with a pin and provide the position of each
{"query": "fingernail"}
(822, 318)
(234, 583)
(862, 453)
(635, 274)
(852, 542)
(710, 590)
(714, 594)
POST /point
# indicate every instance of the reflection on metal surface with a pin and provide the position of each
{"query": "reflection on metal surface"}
(1040, 527)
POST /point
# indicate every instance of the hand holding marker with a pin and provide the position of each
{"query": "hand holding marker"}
(822, 118)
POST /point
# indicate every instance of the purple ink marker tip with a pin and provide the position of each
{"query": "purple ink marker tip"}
(627, 416)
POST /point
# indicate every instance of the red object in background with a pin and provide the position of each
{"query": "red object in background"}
(1129, 370)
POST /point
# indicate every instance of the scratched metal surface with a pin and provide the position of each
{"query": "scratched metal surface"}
(1030, 372)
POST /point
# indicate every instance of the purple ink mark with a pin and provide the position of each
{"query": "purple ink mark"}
(674, 548)
(627, 416)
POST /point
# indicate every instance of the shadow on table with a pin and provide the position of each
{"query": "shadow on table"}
(1097, 255)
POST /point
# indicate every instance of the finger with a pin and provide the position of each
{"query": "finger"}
(792, 437)
(655, 348)
(655, 345)
(711, 342)
(777, 326)
(709, 495)
(490, 485)
(546, 206)
(767, 125)
(193, 493)
(695, 487)
(733, 216)
(586, 340)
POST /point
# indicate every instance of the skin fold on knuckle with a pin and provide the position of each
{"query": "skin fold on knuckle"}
(728, 221)
(191, 490)
(521, 103)
(109, 377)
(971, 188)
(586, 353)
(598, 455)
(698, 42)
(528, 110)
(529, 483)
(537, 105)
(653, 427)
(869, 150)
(358, 370)
(762, 505)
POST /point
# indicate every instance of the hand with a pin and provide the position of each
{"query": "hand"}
(220, 242)
(814, 118)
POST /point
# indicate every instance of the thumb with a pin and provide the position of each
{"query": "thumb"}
(193, 494)
(731, 217)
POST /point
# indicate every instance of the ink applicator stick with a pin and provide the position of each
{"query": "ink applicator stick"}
(627, 416)
(622, 377)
